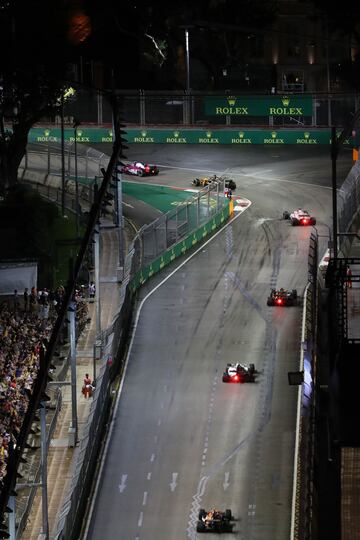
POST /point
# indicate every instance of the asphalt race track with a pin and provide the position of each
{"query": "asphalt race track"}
(180, 438)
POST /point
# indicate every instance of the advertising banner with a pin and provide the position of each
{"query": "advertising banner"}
(259, 106)
(235, 136)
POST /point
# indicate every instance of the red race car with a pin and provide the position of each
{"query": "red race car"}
(239, 373)
(137, 168)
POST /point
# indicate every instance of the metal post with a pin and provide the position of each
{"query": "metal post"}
(217, 196)
(187, 99)
(74, 422)
(48, 158)
(76, 125)
(97, 280)
(334, 154)
(120, 223)
(12, 516)
(62, 156)
(328, 74)
(208, 202)
(198, 210)
(142, 108)
(166, 231)
(44, 498)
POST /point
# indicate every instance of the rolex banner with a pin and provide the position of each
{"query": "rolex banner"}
(259, 106)
(151, 135)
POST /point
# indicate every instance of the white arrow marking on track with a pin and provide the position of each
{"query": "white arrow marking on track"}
(173, 484)
(226, 483)
(122, 486)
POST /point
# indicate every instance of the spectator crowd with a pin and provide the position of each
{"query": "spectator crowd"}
(26, 323)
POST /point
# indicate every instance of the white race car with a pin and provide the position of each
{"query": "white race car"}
(299, 217)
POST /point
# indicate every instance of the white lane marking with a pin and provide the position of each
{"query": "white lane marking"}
(152, 458)
(145, 498)
(122, 485)
(148, 476)
(127, 204)
(159, 422)
(140, 520)
(155, 438)
(226, 483)
(173, 483)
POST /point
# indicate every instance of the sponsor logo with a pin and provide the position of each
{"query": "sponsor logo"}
(208, 139)
(46, 137)
(306, 139)
(144, 138)
(241, 139)
(79, 137)
(235, 111)
(176, 139)
(231, 100)
(109, 137)
(285, 110)
(274, 139)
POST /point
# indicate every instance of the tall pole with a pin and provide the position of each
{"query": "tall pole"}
(76, 183)
(71, 318)
(187, 100)
(97, 280)
(44, 495)
(187, 61)
(62, 156)
(334, 154)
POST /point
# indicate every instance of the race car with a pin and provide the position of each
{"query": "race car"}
(215, 521)
(299, 217)
(239, 373)
(137, 168)
(206, 180)
(282, 297)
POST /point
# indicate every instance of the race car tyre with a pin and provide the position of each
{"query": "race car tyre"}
(251, 368)
(225, 378)
(202, 513)
(286, 215)
(200, 527)
(270, 302)
(294, 293)
(139, 173)
(313, 221)
(228, 514)
(294, 222)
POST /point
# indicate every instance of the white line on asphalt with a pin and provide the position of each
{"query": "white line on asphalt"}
(159, 422)
(141, 517)
(122, 485)
(145, 498)
(148, 476)
(152, 458)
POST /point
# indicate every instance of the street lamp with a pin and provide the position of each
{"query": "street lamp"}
(75, 126)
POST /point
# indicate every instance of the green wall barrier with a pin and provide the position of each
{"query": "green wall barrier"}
(179, 249)
(229, 135)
